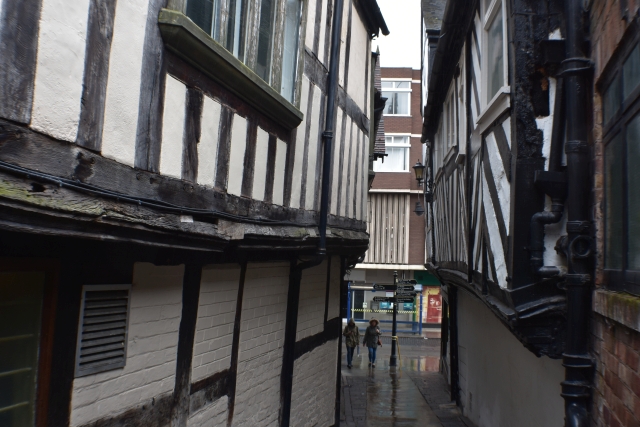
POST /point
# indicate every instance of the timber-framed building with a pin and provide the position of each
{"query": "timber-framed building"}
(183, 184)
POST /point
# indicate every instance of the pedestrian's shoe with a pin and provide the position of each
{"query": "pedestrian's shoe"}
(373, 365)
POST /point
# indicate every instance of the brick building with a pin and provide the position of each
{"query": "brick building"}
(615, 39)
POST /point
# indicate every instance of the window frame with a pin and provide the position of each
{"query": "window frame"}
(398, 90)
(406, 146)
(487, 18)
(623, 279)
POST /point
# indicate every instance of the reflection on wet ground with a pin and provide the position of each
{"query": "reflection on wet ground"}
(396, 396)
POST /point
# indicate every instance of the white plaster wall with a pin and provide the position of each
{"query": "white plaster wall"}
(123, 84)
(356, 149)
(324, 27)
(349, 160)
(313, 289)
(494, 233)
(213, 415)
(311, 25)
(208, 145)
(278, 179)
(364, 165)
(334, 289)
(264, 305)
(358, 71)
(312, 157)
(296, 182)
(236, 155)
(175, 93)
(343, 42)
(156, 306)
(260, 165)
(503, 186)
(335, 162)
(60, 68)
(504, 383)
(365, 181)
(314, 387)
(216, 316)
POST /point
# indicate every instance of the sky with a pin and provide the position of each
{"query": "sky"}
(401, 48)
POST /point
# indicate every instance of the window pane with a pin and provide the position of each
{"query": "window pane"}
(21, 296)
(495, 53)
(201, 13)
(403, 85)
(236, 28)
(612, 99)
(290, 55)
(631, 71)
(265, 38)
(386, 84)
(388, 107)
(402, 103)
(614, 158)
(396, 160)
(633, 192)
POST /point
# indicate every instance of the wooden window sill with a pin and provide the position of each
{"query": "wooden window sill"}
(185, 39)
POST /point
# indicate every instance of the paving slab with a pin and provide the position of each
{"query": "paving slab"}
(411, 394)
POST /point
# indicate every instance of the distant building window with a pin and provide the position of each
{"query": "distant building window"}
(621, 99)
(397, 160)
(495, 47)
(398, 94)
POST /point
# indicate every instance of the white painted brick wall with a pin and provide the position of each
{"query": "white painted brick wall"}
(257, 401)
(216, 315)
(334, 289)
(314, 387)
(313, 289)
(213, 415)
(156, 305)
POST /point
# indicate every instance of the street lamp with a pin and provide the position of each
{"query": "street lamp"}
(418, 168)
(419, 210)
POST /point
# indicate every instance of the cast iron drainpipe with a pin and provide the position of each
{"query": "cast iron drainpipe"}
(556, 191)
(576, 388)
(327, 135)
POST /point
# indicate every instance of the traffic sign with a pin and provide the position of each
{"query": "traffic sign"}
(406, 294)
(384, 299)
(405, 288)
(384, 287)
(404, 299)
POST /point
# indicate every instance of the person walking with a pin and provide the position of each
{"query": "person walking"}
(352, 335)
(371, 340)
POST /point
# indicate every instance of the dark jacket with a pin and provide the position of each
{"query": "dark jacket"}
(352, 336)
(371, 336)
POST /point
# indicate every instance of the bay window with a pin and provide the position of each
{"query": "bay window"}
(621, 99)
(398, 94)
(248, 31)
(397, 159)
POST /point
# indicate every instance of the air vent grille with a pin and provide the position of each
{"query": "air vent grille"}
(102, 334)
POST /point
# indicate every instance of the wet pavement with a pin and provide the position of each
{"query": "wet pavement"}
(412, 394)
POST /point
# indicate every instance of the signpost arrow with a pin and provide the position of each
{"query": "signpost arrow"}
(384, 287)
(408, 282)
(406, 294)
(404, 299)
(384, 299)
(405, 288)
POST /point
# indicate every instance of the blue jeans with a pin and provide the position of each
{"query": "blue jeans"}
(372, 354)
(350, 355)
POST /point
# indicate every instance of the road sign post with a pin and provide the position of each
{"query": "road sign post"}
(393, 360)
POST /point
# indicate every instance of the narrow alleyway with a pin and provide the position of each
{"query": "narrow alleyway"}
(414, 394)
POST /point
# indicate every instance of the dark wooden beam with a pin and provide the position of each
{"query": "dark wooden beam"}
(235, 347)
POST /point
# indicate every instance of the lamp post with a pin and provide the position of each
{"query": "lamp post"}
(393, 360)
(418, 169)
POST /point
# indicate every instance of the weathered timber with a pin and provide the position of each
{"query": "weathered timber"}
(249, 159)
(37, 152)
(235, 347)
(154, 412)
(208, 390)
(191, 136)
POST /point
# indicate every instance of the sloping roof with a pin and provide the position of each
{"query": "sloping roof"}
(432, 13)
(373, 17)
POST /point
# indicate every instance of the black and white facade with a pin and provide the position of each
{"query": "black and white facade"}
(494, 129)
(161, 175)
